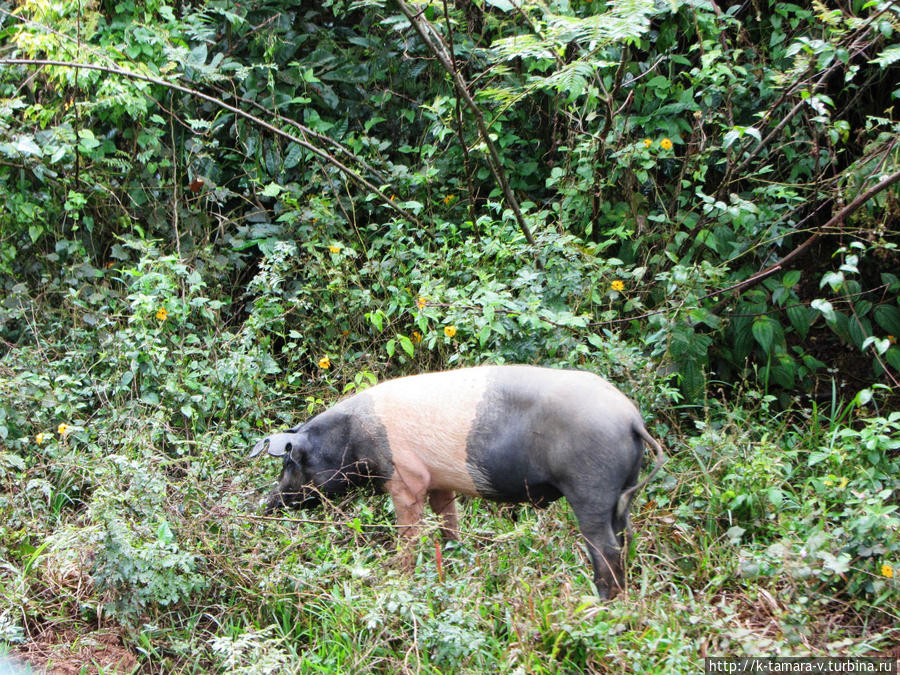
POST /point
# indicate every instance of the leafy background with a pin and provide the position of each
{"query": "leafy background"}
(232, 214)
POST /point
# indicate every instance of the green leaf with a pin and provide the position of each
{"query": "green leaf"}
(857, 333)
(791, 278)
(376, 318)
(888, 317)
(801, 319)
(422, 322)
(743, 338)
(841, 326)
(86, 140)
(893, 358)
(837, 564)
(164, 532)
(371, 122)
(293, 156)
(891, 281)
(764, 332)
(888, 56)
(12, 460)
(849, 265)
(150, 398)
(703, 315)
(782, 371)
(812, 363)
(407, 344)
(485, 333)
(271, 190)
(730, 138)
(816, 457)
(881, 346)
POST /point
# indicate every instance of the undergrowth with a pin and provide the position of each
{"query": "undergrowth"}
(766, 533)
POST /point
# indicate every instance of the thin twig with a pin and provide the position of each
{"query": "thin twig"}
(460, 132)
(435, 43)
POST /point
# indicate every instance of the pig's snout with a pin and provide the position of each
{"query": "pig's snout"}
(297, 499)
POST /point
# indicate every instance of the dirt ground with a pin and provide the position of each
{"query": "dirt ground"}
(70, 653)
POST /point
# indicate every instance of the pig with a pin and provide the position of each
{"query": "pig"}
(510, 433)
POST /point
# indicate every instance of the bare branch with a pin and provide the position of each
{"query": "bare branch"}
(786, 260)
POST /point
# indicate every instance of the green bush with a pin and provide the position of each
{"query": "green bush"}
(300, 203)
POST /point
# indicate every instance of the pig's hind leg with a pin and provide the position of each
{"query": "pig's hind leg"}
(596, 523)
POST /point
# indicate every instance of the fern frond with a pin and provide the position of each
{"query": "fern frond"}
(888, 56)
(627, 20)
(522, 47)
(119, 164)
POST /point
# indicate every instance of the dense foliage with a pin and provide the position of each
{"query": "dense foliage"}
(217, 217)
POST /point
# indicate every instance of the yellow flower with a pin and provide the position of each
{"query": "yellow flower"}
(843, 483)
(421, 302)
(162, 314)
(449, 331)
(334, 248)
(647, 142)
(39, 439)
(416, 336)
(618, 285)
(665, 144)
(393, 197)
(887, 571)
(324, 363)
(62, 429)
(448, 199)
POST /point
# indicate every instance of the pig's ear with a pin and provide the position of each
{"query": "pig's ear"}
(258, 448)
(278, 445)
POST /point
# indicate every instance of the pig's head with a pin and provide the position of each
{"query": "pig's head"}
(314, 464)
(295, 486)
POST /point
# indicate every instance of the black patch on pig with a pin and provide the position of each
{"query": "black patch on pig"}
(355, 441)
(506, 453)
(369, 440)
